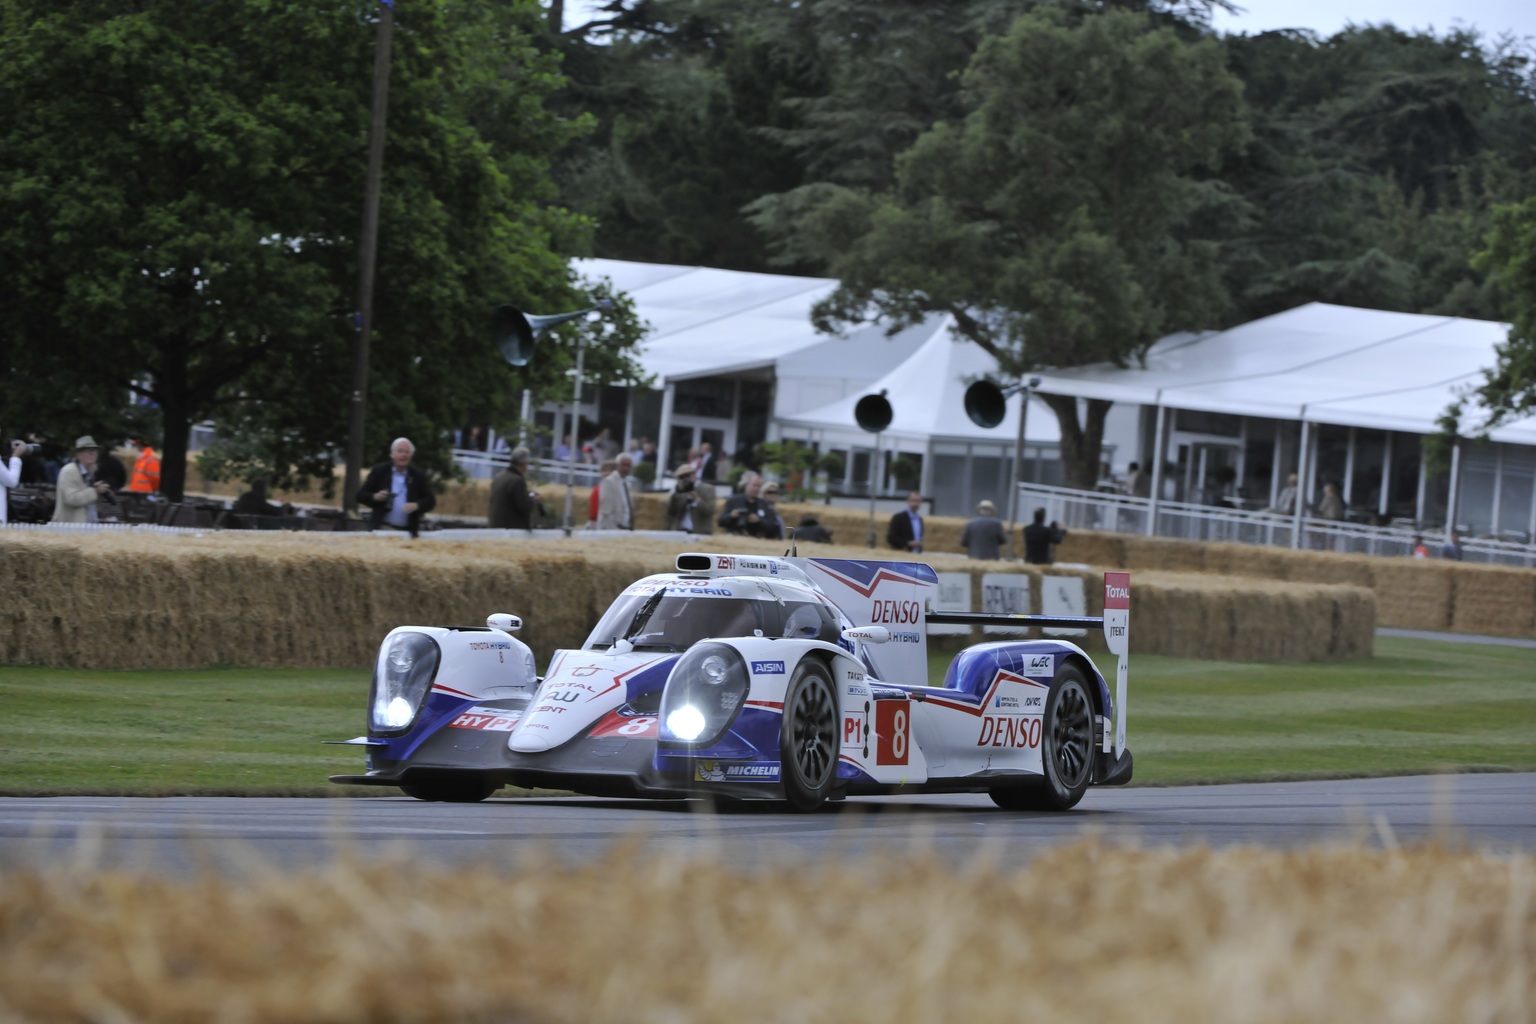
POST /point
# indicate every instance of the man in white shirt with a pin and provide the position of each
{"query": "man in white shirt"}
(10, 476)
(398, 492)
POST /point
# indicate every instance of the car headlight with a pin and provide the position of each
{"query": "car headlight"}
(406, 667)
(706, 689)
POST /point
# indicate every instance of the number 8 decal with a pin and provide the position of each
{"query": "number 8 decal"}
(893, 729)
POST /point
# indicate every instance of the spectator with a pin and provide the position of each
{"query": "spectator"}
(905, 533)
(1040, 540)
(636, 450)
(616, 500)
(78, 491)
(773, 524)
(1332, 506)
(1419, 549)
(1452, 547)
(146, 470)
(603, 471)
(254, 501)
(10, 476)
(812, 531)
(648, 451)
(691, 508)
(1137, 483)
(513, 505)
(563, 449)
(983, 537)
(1285, 504)
(397, 491)
(745, 514)
(706, 464)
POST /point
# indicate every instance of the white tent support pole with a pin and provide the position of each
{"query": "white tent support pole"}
(1349, 467)
(1018, 468)
(664, 440)
(1498, 487)
(1309, 480)
(1158, 440)
(1454, 492)
(525, 416)
(1302, 472)
(874, 471)
(629, 419)
(1418, 507)
(1384, 504)
(1274, 468)
(570, 456)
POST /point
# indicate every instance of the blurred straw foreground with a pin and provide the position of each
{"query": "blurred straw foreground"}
(1091, 931)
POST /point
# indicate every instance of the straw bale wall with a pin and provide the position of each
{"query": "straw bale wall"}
(1410, 593)
(139, 601)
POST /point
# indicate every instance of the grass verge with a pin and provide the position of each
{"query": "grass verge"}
(1418, 706)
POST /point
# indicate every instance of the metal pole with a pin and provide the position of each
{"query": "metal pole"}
(874, 472)
(1157, 466)
(570, 455)
(1453, 493)
(368, 246)
(525, 414)
(1303, 492)
(1018, 468)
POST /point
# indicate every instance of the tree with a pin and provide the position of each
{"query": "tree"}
(1061, 222)
(1508, 390)
(180, 191)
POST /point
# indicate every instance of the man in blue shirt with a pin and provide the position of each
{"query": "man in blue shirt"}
(906, 530)
(397, 491)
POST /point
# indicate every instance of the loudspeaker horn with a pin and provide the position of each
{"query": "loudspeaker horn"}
(873, 413)
(516, 333)
(985, 404)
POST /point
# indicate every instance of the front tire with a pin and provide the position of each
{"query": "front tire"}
(808, 738)
(1066, 750)
(463, 789)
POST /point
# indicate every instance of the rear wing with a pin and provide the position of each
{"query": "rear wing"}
(1116, 623)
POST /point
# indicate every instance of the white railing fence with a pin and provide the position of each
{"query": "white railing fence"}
(1121, 513)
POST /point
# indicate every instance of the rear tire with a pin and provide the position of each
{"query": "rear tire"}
(1066, 750)
(808, 738)
(451, 790)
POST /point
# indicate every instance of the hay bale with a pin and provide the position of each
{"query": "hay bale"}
(1495, 600)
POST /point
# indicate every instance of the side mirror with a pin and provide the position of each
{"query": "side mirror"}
(868, 634)
(504, 622)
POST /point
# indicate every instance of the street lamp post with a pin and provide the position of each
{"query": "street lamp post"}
(368, 246)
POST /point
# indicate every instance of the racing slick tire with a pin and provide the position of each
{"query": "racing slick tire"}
(1066, 750)
(808, 740)
(451, 789)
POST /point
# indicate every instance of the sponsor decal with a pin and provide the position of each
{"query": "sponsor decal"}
(725, 562)
(490, 645)
(550, 708)
(852, 675)
(1009, 732)
(858, 691)
(767, 668)
(859, 634)
(1035, 702)
(893, 731)
(632, 727)
(853, 731)
(1041, 663)
(904, 636)
(721, 771)
(899, 612)
(486, 719)
(1117, 631)
(1117, 590)
(1007, 702)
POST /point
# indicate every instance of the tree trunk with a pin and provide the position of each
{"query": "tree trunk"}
(1081, 443)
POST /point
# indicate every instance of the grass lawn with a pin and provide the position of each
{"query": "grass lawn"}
(1418, 706)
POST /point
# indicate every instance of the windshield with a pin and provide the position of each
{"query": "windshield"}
(675, 622)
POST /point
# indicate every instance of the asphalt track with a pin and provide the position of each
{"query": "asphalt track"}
(180, 834)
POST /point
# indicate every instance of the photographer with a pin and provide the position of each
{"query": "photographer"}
(692, 505)
(10, 475)
(78, 490)
(748, 514)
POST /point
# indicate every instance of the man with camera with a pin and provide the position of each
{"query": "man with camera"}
(10, 474)
(78, 490)
(692, 505)
(398, 493)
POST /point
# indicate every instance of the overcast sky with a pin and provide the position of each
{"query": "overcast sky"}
(1490, 17)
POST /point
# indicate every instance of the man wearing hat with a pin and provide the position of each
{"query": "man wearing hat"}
(77, 491)
(692, 505)
(983, 537)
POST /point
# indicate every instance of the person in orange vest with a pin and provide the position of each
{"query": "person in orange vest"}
(146, 471)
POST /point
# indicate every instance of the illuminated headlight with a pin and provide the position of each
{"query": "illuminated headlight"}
(706, 689)
(401, 678)
(686, 723)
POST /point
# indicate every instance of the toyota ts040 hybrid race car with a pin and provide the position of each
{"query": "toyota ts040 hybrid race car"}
(747, 677)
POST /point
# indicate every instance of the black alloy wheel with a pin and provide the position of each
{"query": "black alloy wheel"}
(1066, 750)
(808, 738)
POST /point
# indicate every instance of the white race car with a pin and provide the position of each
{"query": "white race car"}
(749, 677)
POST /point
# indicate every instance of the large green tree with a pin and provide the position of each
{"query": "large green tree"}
(1509, 388)
(1063, 221)
(180, 195)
